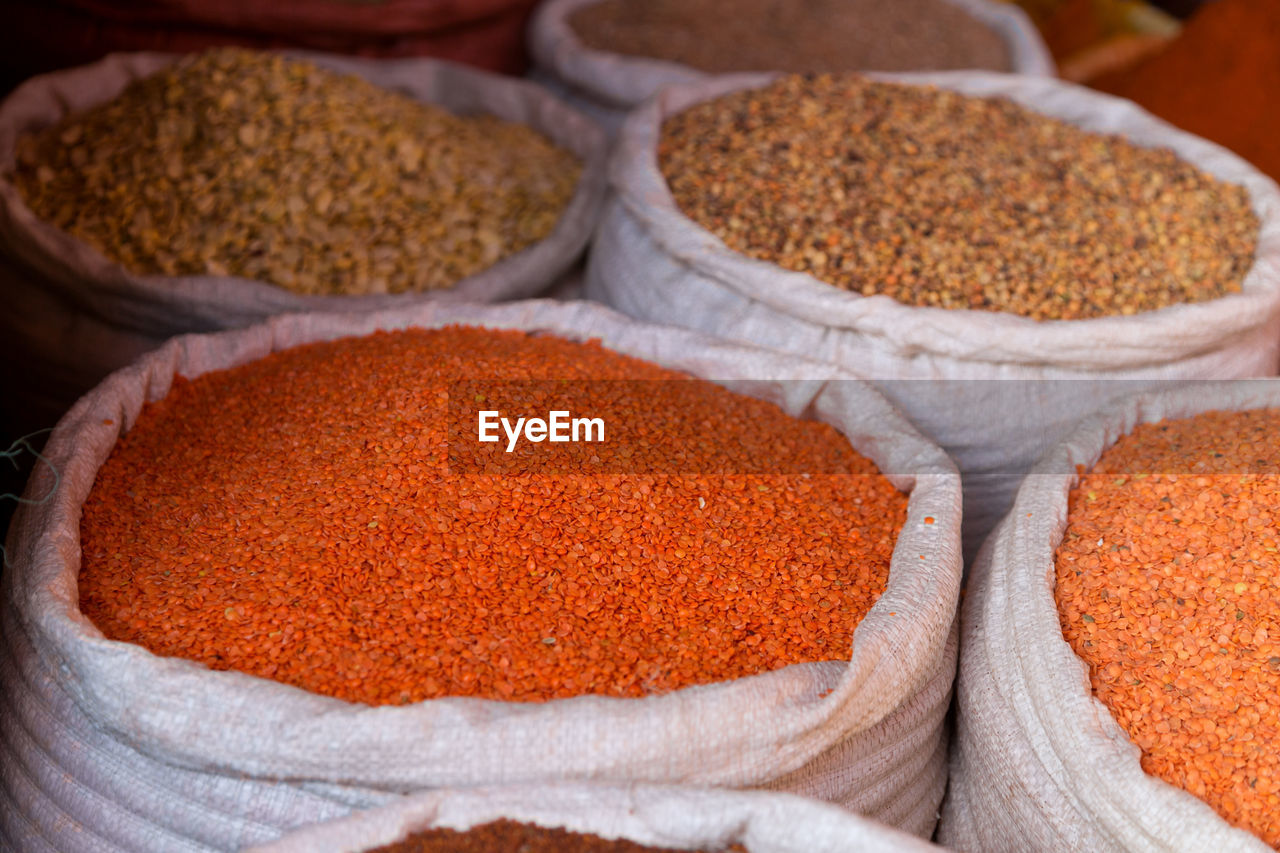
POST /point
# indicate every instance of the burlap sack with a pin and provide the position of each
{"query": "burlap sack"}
(606, 86)
(1038, 763)
(71, 316)
(651, 261)
(104, 746)
(658, 816)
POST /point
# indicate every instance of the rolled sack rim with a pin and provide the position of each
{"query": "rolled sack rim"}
(645, 813)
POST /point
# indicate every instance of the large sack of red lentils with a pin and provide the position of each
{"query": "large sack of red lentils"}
(608, 56)
(243, 502)
(575, 818)
(1118, 674)
(996, 260)
(142, 199)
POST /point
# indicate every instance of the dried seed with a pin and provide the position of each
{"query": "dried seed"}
(939, 199)
(247, 164)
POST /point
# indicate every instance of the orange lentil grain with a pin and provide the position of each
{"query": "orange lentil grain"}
(296, 518)
(1168, 587)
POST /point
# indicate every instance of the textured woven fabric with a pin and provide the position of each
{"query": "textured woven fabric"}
(647, 814)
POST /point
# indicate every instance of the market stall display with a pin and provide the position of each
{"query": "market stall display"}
(319, 577)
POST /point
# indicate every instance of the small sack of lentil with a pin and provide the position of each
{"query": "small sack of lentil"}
(996, 227)
(667, 818)
(103, 739)
(143, 197)
(608, 56)
(1115, 657)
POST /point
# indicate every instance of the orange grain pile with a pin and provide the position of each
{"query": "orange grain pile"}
(1219, 79)
(1168, 586)
(295, 518)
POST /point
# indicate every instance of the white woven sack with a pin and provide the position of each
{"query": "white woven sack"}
(654, 815)
(73, 316)
(1038, 763)
(651, 261)
(606, 86)
(106, 747)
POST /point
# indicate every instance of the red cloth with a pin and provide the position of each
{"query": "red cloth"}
(41, 36)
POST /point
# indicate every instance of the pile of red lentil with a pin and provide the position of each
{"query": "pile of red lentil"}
(297, 518)
(508, 836)
(939, 199)
(1168, 587)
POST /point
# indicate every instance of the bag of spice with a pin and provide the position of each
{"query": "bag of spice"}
(608, 56)
(144, 197)
(136, 742)
(991, 229)
(1117, 680)
(604, 819)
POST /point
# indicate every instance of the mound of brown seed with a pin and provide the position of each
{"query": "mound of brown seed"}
(940, 199)
(794, 35)
(249, 164)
